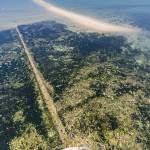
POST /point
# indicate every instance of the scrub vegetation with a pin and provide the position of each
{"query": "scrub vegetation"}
(100, 87)
(101, 84)
(25, 123)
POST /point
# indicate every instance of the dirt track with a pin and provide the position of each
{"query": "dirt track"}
(48, 99)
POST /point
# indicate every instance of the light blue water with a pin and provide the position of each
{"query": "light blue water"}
(136, 12)
(19, 11)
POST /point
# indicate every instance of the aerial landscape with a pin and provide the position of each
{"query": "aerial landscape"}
(75, 75)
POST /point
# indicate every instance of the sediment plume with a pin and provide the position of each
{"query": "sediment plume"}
(85, 21)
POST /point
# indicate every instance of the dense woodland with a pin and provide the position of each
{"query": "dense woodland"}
(101, 84)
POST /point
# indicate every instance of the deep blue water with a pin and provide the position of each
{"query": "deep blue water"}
(136, 12)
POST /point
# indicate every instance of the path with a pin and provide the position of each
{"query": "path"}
(48, 99)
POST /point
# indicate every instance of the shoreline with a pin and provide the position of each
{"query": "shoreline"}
(85, 21)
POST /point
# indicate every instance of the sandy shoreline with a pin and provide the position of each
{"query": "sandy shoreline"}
(85, 21)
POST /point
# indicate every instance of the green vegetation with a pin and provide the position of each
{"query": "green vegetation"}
(101, 88)
(25, 121)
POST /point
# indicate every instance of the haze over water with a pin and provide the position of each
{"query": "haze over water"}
(135, 12)
(19, 11)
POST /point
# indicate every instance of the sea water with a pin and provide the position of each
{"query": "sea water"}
(136, 12)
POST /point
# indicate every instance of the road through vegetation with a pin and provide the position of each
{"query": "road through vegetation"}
(48, 100)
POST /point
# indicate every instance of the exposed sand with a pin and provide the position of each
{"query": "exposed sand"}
(85, 21)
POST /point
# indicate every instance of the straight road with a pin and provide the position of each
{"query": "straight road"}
(48, 99)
